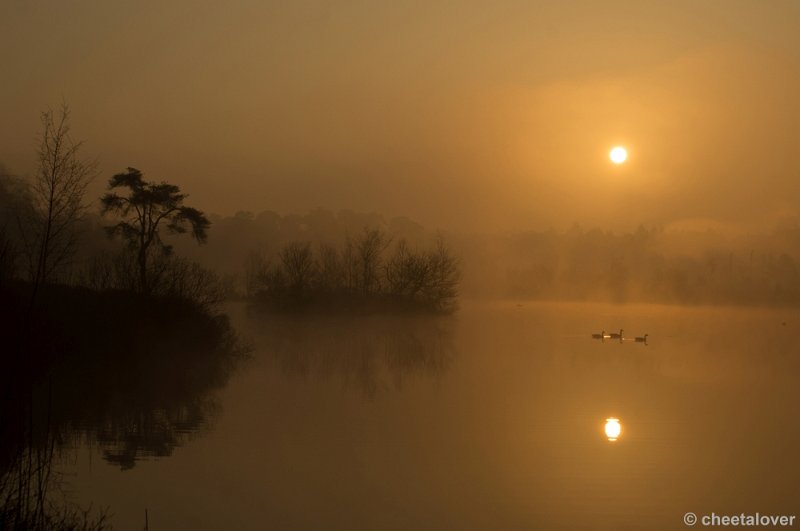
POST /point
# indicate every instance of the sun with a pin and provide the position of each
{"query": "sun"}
(618, 154)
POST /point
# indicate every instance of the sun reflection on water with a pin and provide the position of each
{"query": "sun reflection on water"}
(613, 429)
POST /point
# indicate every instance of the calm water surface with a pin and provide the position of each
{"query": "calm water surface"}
(492, 419)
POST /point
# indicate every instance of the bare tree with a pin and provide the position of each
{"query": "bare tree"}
(369, 249)
(361, 274)
(256, 266)
(430, 277)
(299, 266)
(14, 200)
(7, 257)
(406, 272)
(330, 274)
(441, 292)
(50, 230)
(350, 265)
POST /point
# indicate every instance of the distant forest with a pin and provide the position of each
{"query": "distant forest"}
(140, 273)
(134, 242)
(646, 265)
(358, 260)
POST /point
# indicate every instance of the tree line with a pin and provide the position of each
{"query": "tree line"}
(148, 312)
(43, 220)
(89, 290)
(646, 265)
(368, 271)
(49, 235)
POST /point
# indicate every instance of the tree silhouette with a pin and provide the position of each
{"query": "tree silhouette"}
(144, 209)
(56, 198)
(298, 263)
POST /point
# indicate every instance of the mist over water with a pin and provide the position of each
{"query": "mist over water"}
(349, 265)
(493, 421)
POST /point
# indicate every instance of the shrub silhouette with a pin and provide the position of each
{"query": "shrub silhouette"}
(360, 276)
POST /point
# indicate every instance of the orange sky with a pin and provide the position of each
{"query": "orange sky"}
(464, 114)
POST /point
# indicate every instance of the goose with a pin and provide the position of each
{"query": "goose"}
(641, 339)
(601, 335)
(616, 336)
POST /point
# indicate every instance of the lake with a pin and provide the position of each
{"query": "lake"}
(490, 419)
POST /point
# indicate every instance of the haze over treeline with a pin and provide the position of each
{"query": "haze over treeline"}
(467, 116)
(308, 123)
(648, 264)
(673, 264)
(364, 194)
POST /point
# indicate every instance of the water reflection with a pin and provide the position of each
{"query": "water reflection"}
(512, 437)
(127, 436)
(613, 429)
(368, 353)
(136, 389)
(149, 409)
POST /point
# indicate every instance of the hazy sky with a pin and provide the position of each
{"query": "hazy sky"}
(458, 114)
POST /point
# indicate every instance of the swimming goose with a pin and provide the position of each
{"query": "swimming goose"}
(601, 335)
(616, 336)
(641, 339)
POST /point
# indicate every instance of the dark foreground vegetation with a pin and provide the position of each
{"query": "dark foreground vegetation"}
(109, 336)
(122, 347)
(132, 374)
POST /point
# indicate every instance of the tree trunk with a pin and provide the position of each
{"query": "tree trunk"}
(143, 287)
